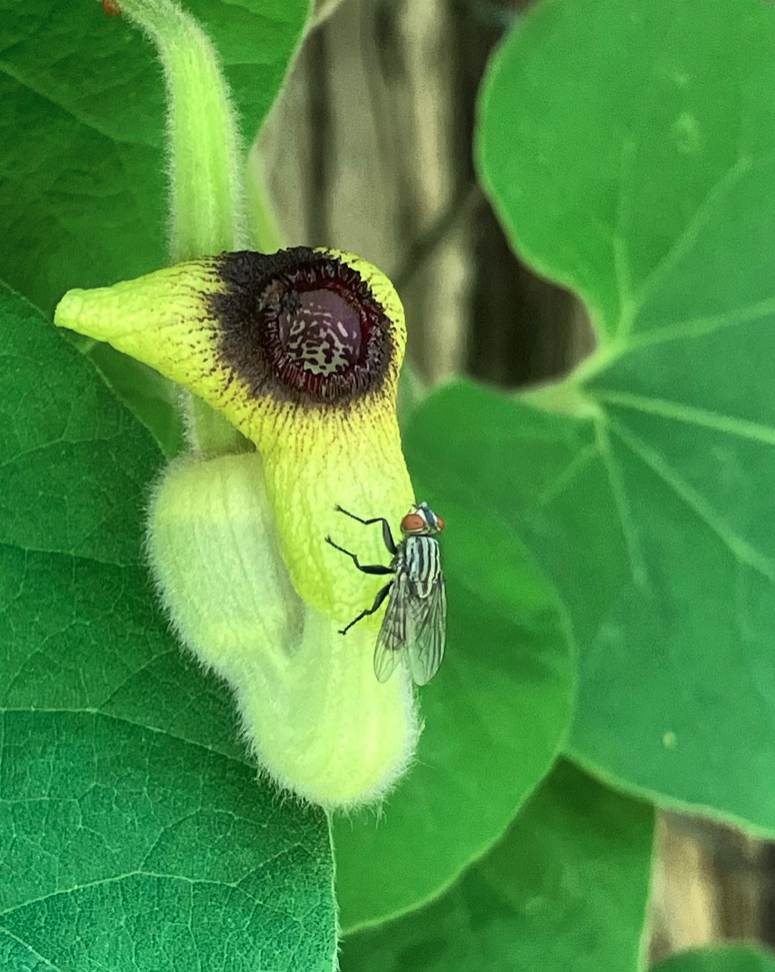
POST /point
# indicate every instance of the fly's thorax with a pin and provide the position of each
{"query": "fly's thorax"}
(422, 563)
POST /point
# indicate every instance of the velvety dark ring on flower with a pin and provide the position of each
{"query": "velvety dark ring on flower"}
(301, 325)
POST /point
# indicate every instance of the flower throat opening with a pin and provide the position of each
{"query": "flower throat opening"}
(302, 324)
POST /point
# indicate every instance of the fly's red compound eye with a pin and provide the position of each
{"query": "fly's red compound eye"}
(111, 8)
(412, 522)
(440, 522)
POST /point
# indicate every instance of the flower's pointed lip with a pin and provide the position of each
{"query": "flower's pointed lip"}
(317, 454)
(201, 324)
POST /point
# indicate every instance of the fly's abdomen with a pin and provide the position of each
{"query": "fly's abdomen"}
(421, 562)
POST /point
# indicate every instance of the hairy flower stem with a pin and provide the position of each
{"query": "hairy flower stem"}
(205, 165)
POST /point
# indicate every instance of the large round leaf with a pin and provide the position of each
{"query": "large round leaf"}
(566, 889)
(629, 148)
(134, 836)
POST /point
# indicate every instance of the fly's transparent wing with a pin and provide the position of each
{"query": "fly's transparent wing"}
(425, 645)
(393, 633)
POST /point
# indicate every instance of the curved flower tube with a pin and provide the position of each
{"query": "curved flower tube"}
(301, 351)
(312, 710)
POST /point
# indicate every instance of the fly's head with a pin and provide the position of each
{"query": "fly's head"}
(421, 521)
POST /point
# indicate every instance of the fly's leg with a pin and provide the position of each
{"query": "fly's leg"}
(387, 534)
(366, 568)
(374, 607)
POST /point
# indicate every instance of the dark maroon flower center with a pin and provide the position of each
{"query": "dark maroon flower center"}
(305, 320)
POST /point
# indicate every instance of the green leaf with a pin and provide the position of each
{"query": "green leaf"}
(729, 958)
(495, 717)
(565, 889)
(134, 835)
(642, 176)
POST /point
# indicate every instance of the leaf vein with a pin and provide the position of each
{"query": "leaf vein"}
(738, 546)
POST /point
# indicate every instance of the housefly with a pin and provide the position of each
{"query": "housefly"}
(416, 617)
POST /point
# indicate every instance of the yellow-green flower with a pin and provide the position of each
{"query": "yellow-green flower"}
(301, 351)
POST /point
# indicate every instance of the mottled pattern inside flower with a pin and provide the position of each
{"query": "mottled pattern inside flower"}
(320, 331)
